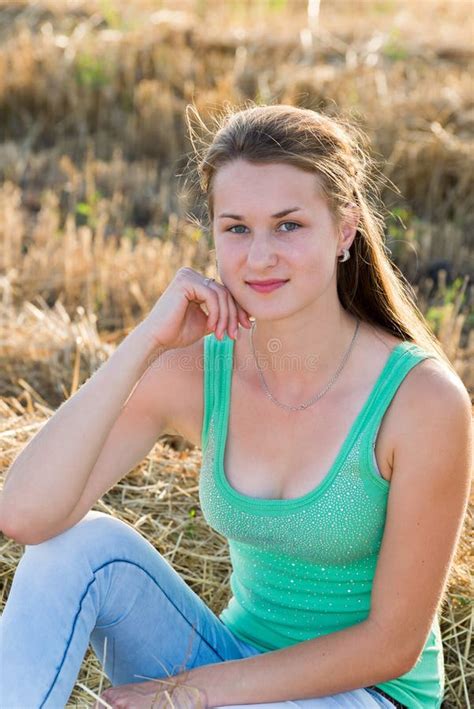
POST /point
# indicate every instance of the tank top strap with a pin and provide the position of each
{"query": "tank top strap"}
(406, 356)
(218, 362)
(217, 355)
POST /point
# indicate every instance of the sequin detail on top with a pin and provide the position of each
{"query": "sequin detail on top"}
(304, 567)
(338, 536)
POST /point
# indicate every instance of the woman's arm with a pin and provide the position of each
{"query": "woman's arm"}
(427, 502)
(48, 477)
(338, 662)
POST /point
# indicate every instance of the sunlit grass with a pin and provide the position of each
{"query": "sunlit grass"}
(93, 222)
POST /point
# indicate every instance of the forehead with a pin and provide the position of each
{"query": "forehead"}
(241, 182)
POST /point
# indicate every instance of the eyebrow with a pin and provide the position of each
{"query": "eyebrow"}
(283, 213)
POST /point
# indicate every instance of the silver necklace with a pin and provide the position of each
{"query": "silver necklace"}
(321, 393)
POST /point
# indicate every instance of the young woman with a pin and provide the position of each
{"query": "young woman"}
(336, 443)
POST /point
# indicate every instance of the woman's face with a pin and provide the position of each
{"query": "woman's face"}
(254, 244)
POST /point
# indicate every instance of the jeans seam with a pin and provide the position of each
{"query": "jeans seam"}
(94, 571)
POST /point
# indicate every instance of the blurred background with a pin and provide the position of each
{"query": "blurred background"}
(94, 210)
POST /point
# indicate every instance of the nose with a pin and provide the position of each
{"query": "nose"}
(261, 254)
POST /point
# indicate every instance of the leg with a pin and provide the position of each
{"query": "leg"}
(101, 579)
(356, 699)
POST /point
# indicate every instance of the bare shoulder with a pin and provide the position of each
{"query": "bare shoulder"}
(421, 404)
(184, 369)
(432, 407)
(430, 381)
(432, 384)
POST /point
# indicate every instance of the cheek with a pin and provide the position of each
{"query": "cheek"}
(311, 258)
(229, 252)
(316, 268)
(228, 262)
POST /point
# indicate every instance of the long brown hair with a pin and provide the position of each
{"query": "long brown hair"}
(369, 284)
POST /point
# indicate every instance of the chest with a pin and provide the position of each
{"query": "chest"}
(272, 453)
(344, 526)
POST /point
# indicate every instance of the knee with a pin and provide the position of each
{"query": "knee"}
(95, 530)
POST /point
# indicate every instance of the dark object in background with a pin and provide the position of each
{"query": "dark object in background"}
(433, 271)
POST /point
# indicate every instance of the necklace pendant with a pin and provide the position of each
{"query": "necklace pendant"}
(312, 401)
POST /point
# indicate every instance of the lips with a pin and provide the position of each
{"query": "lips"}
(267, 283)
(267, 286)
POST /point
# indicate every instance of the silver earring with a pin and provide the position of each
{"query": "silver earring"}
(345, 257)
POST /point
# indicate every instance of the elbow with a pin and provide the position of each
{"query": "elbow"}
(11, 530)
(8, 530)
(402, 663)
(394, 664)
(410, 651)
(408, 662)
(10, 526)
(20, 535)
(7, 524)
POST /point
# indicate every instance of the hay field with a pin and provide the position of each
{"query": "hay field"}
(93, 218)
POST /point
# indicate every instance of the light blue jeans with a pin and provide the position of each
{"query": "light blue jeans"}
(101, 580)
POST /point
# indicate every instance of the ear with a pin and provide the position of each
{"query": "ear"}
(349, 224)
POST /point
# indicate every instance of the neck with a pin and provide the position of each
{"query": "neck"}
(298, 355)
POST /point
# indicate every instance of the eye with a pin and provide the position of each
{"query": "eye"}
(237, 226)
(294, 223)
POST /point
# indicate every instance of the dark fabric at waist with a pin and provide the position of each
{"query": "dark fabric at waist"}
(397, 704)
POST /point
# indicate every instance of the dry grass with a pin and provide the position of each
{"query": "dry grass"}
(93, 103)
(47, 356)
(92, 229)
(159, 499)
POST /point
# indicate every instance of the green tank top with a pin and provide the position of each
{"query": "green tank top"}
(304, 567)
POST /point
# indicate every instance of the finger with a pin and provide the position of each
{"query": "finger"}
(223, 309)
(233, 321)
(210, 299)
(197, 291)
(236, 313)
(243, 316)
